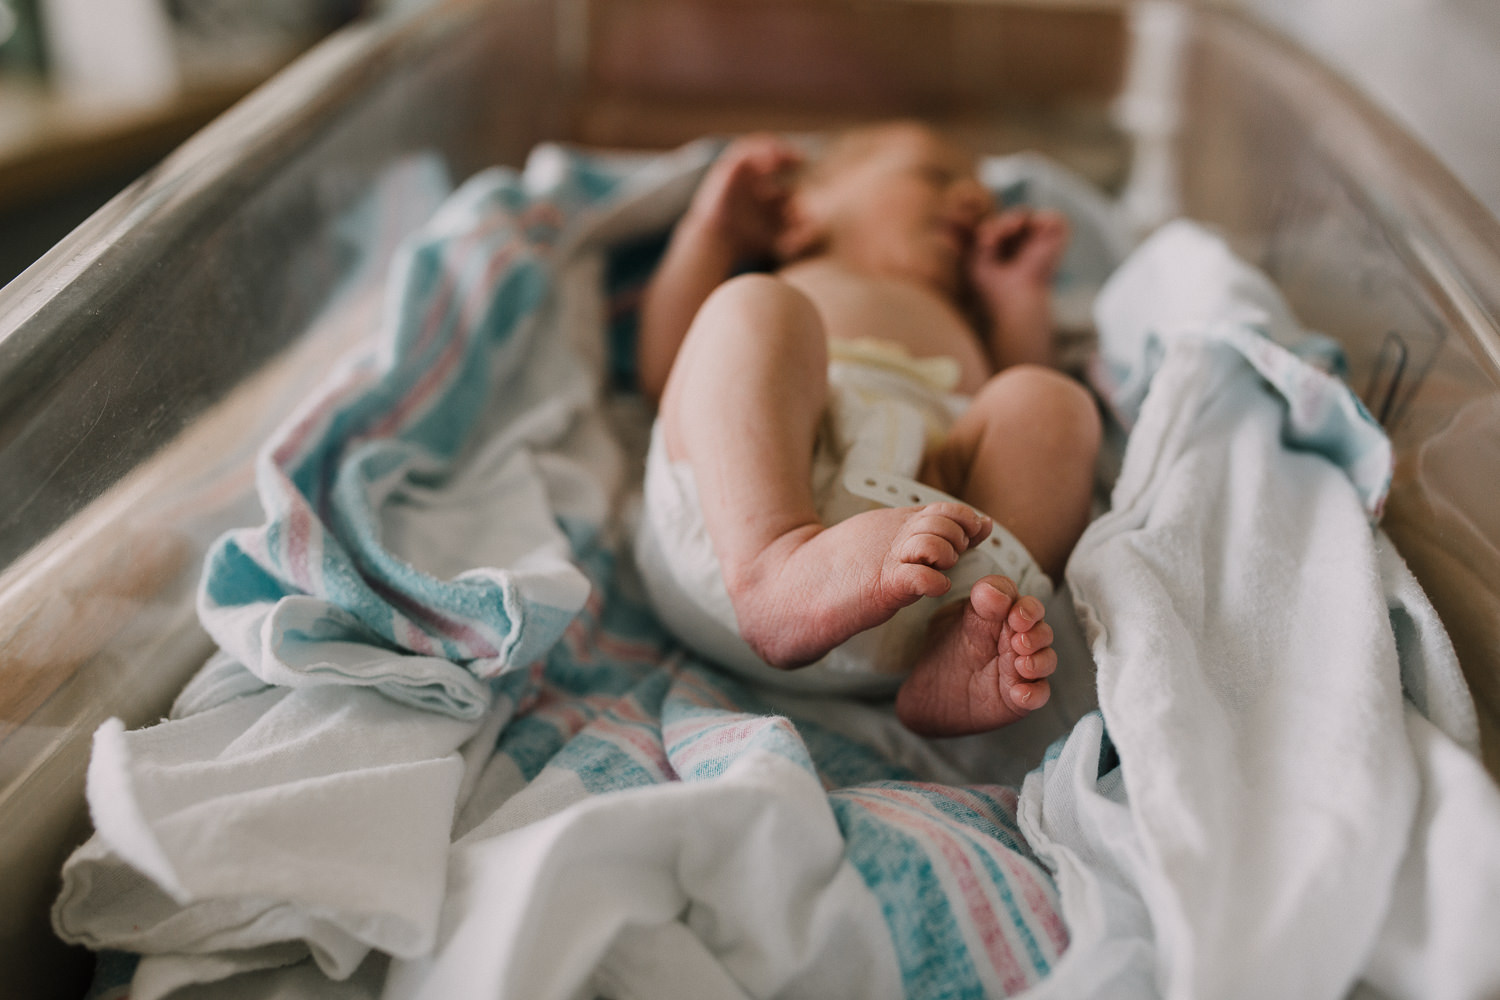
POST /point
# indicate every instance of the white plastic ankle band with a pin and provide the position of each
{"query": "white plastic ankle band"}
(1002, 549)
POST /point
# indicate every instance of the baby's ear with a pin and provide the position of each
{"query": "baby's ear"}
(803, 232)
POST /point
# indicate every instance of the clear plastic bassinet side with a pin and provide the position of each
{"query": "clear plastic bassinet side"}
(1375, 243)
(145, 358)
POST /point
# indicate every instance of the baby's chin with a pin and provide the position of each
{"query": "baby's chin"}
(938, 271)
(935, 266)
(941, 274)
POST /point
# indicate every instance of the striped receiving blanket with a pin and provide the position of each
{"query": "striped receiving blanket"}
(447, 751)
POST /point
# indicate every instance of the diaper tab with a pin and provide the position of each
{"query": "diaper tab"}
(1001, 550)
(940, 373)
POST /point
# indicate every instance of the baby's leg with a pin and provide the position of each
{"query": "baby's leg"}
(742, 407)
(1024, 452)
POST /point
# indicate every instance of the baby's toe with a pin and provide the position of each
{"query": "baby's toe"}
(938, 534)
(929, 549)
(1046, 241)
(1035, 666)
(993, 597)
(971, 525)
(908, 581)
(930, 522)
(1027, 614)
(1033, 641)
(1030, 695)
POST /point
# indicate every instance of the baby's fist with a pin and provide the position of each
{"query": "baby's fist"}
(1016, 247)
(743, 196)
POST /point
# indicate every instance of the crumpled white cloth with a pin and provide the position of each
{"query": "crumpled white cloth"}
(234, 839)
(720, 889)
(1270, 829)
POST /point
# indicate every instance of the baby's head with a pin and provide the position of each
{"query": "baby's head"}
(895, 199)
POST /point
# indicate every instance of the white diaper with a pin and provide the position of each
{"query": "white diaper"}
(884, 411)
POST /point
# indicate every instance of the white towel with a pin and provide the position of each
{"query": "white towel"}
(1240, 610)
(294, 821)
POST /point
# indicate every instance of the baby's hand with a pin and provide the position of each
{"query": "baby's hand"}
(741, 199)
(1016, 251)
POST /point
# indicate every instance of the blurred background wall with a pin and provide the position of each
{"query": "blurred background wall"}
(92, 92)
(1432, 65)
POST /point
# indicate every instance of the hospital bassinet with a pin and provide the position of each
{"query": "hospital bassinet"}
(144, 358)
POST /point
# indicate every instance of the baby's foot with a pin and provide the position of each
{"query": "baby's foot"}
(986, 664)
(1016, 254)
(815, 586)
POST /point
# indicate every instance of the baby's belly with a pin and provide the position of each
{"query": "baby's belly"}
(931, 341)
(856, 307)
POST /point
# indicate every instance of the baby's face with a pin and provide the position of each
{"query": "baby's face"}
(903, 202)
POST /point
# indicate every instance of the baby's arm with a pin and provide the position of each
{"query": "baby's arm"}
(1016, 253)
(735, 215)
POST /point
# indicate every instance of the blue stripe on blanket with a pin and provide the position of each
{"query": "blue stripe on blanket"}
(843, 761)
(971, 913)
(925, 934)
(595, 706)
(608, 762)
(708, 723)
(587, 722)
(455, 338)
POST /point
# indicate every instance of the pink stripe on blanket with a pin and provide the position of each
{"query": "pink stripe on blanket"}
(300, 545)
(315, 421)
(626, 726)
(428, 621)
(906, 812)
(437, 375)
(1034, 892)
(454, 252)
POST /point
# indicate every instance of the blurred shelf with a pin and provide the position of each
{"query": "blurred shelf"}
(51, 144)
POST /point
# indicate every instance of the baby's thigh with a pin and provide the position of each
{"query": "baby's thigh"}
(756, 316)
(1023, 452)
(754, 365)
(1029, 410)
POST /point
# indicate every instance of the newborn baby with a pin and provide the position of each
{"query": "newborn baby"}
(902, 347)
